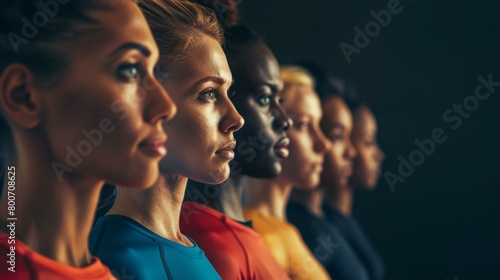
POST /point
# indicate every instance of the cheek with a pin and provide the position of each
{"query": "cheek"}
(368, 162)
(192, 137)
(68, 114)
(335, 157)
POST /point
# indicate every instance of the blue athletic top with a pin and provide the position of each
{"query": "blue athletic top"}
(327, 244)
(132, 251)
(358, 240)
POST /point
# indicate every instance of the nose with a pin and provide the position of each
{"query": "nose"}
(321, 144)
(232, 121)
(159, 106)
(281, 120)
(350, 150)
(380, 155)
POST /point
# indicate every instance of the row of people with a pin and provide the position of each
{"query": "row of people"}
(76, 114)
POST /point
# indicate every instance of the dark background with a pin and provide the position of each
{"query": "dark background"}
(443, 222)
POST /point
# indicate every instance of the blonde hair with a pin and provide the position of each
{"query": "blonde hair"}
(295, 80)
(177, 25)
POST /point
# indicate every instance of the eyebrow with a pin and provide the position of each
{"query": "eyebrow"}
(134, 46)
(336, 125)
(273, 87)
(215, 79)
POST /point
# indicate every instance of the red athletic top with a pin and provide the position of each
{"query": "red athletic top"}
(31, 265)
(235, 250)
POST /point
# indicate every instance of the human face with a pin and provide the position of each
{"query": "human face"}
(262, 142)
(308, 144)
(337, 125)
(368, 161)
(104, 118)
(201, 140)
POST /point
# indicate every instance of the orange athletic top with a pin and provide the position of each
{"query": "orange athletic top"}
(235, 250)
(31, 265)
(287, 246)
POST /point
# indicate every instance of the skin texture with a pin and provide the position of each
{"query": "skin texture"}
(337, 125)
(203, 126)
(302, 169)
(368, 161)
(257, 98)
(127, 95)
(308, 144)
(45, 121)
(207, 119)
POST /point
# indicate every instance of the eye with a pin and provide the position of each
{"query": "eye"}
(129, 72)
(264, 100)
(302, 125)
(208, 94)
(335, 137)
(371, 143)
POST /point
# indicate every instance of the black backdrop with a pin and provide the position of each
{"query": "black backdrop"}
(443, 221)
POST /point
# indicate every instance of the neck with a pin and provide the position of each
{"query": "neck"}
(269, 197)
(54, 217)
(225, 198)
(311, 199)
(340, 199)
(229, 201)
(157, 208)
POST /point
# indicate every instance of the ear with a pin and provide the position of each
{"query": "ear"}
(19, 100)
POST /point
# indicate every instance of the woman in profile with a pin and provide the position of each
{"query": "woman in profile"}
(267, 199)
(326, 212)
(74, 114)
(366, 170)
(140, 236)
(214, 215)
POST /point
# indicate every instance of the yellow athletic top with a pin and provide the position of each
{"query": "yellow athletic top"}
(286, 245)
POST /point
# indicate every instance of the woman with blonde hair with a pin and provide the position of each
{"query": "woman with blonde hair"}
(140, 236)
(325, 213)
(267, 199)
(214, 214)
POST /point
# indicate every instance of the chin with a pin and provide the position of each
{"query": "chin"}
(264, 170)
(370, 185)
(307, 185)
(212, 177)
(136, 182)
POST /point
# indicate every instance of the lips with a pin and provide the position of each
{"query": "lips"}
(281, 148)
(227, 151)
(347, 171)
(154, 147)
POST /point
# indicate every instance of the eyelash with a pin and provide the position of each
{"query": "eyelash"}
(371, 143)
(129, 66)
(264, 103)
(336, 137)
(211, 91)
(303, 125)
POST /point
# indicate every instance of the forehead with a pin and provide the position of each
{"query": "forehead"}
(117, 23)
(303, 100)
(365, 120)
(256, 65)
(335, 111)
(208, 59)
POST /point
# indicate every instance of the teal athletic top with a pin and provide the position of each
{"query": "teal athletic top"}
(132, 251)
